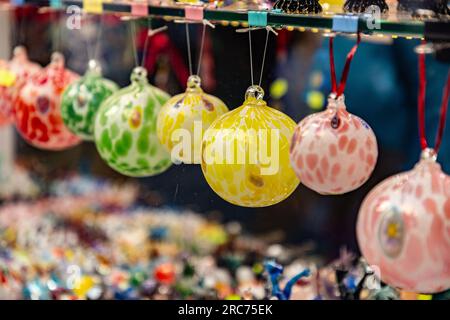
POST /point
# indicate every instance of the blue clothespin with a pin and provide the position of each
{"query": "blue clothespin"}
(257, 18)
(346, 23)
(56, 4)
(18, 2)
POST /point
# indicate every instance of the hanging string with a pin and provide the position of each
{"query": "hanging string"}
(148, 34)
(188, 41)
(58, 42)
(144, 52)
(133, 39)
(93, 54)
(251, 56)
(421, 107)
(264, 58)
(188, 48)
(339, 89)
(21, 34)
(202, 43)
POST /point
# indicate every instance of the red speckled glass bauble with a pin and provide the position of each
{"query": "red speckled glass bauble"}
(13, 75)
(403, 228)
(333, 151)
(38, 109)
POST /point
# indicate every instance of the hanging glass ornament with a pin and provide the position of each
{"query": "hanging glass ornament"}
(402, 225)
(37, 111)
(13, 75)
(298, 6)
(82, 99)
(245, 154)
(333, 151)
(364, 6)
(401, 228)
(125, 129)
(193, 112)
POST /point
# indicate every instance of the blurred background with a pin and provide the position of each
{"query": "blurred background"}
(382, 90)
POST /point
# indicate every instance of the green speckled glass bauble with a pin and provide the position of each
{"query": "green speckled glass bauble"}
(82, 99)
(125, 129)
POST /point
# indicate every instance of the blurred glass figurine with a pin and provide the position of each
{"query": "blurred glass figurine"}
(275, 270)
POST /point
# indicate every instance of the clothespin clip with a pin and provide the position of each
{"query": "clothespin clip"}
(152, 32)
(17, 2)
(93, 6)
(56, 4)
(346, 23)
(257, 20)
(140, 8)
(195, 14)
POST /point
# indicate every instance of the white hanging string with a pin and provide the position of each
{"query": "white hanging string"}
(94, 54)
(202, 43)
(133, 39)
(150, 32)
(188, 48)
(201, 49)
(251, 54)
(264, 58)
(268, 29)
(144, 52)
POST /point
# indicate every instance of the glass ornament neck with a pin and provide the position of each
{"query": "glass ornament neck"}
(20, 54)
(429, 155)
(194, 84)
(428, 159)
(139, 76)
(57, 60)
(335, 102)
(94, 68)
(254, 95)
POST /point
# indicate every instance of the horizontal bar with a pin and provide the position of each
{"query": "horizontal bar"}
(407, 28)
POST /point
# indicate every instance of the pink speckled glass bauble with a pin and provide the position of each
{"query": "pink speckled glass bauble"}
(38, 108)
(403, 228)
(333, 151)
(13, 75)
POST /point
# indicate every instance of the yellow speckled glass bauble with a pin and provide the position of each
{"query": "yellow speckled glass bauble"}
(245, 154)
(184, 118)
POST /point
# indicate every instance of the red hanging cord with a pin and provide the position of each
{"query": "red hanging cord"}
(335, 88)
(332, 67)
(421, 101)
(421, 107)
